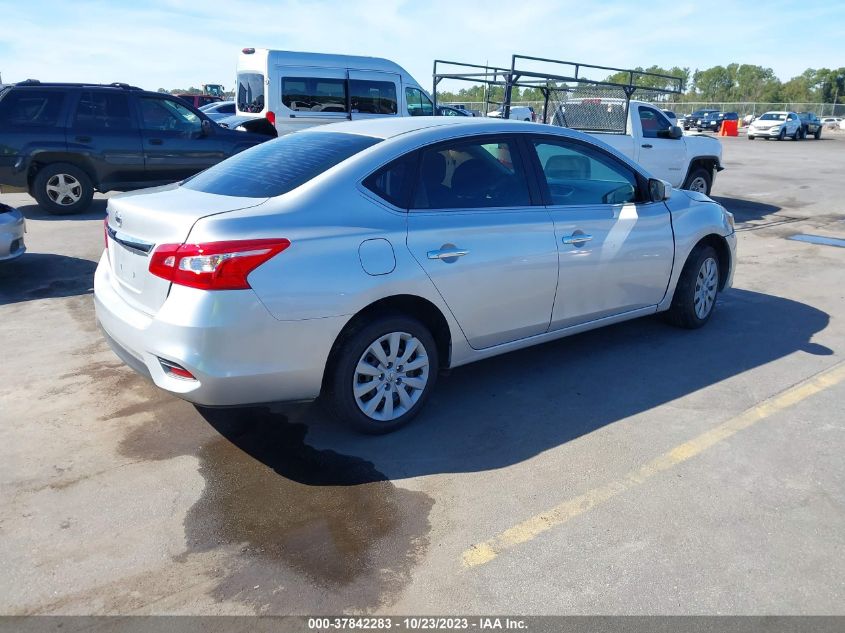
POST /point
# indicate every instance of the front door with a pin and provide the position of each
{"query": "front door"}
(616, 250)
(659, 153)
(175, 145)
(489, 252)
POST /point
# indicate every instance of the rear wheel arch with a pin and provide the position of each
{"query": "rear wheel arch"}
(42, 159)
(405, 305)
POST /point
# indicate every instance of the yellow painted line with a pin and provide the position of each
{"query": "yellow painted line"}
(482, 553)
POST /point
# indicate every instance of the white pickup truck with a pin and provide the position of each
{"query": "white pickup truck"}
(686, 161)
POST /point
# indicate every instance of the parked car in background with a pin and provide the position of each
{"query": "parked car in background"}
(645, 135)
(713, 122)
(691, 120)
(776, 125)
(520, 113)
(63, 141)
(811, 125)
(443, 110)
(831, 122)
(12, 230)
(198, 101)
(219, 110)
(462, 106)
(451, 240)
(308, 89)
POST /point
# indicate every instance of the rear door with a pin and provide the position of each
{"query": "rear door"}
(665, 157)
(373, 94)
(489, 251)
(175, 145)
(104, 129)
(616, 250)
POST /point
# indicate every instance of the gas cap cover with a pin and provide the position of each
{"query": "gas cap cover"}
(377, 257)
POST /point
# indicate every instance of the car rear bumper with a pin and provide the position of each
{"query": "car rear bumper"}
(237, 351)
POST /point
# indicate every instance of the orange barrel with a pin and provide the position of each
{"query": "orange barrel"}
(729, 128)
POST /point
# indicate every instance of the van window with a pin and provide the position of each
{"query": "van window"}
(250, 92)
(418, 103)
(32, 107)
(280, 165)
(373, 97)
(103, 111)
(314, 94)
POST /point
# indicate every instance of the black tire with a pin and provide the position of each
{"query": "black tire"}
(682, 312)
(782, 134)
(79, 188)
(818, 133)
(700, 173)
(750, 138)
(799, 134)
(339, 395)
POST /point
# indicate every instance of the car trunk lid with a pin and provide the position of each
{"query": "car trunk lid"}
(139, 222)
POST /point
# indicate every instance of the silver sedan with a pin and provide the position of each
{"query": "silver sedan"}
(355, 261)
(12, 229)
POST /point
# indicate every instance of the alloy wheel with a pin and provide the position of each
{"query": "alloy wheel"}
(64, 189)
(705, 287)
(698, 184)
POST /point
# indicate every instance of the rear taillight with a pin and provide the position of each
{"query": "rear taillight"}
(214, 265)
(271, 117)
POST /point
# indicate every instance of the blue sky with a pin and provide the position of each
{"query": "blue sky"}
(174, 43)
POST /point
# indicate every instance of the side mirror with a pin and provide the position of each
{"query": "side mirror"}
(675, 132)
(659, 190)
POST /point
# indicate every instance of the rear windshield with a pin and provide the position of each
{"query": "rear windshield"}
(250, 92)
(280, 165)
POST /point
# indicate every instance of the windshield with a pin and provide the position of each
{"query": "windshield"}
(280, 165)
(773, 116)
(250, 92)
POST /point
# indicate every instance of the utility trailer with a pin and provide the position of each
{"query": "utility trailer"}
(573, 97)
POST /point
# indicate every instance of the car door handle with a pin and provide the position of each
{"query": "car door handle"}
(577, 239)
(447, 253)
(156, 141)
(646, 145)
(83, 139)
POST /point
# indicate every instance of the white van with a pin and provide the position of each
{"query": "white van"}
(294, 90)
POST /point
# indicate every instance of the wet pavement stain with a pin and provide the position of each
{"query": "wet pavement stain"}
(313, 529)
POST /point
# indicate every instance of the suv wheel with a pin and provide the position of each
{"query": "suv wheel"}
(818, 133)
(62, 188)
(383, 374)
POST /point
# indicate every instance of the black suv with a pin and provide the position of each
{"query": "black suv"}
(810, 125)
(691, 120)
(713, 121)
(63, 141)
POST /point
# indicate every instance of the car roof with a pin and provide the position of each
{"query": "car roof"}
(385, 128)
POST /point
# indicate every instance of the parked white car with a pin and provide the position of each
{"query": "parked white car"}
(518, 113)
(831, 122)
(686, 161)
(397, 249)
(295, 90)
(776, 125)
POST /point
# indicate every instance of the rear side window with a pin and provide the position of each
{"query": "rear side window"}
(418, 103)
(102, 111)
(373, 97)
(314, 94)
(280, 165)
(393, 182)
(228, 108)
(250, 95)
(32, 107)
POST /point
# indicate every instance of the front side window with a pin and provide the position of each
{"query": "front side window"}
(167, 115)
(418, 102)
(103, 111)
(471, 175)
(31, 108)
(373, 97)
(314, 94)
(250, 94)
(581, 175)
(280, 165)
(653, 123)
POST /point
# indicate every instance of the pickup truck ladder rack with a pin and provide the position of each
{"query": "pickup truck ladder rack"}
(558, 81)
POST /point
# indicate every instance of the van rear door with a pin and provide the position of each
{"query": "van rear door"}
(373, 94)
